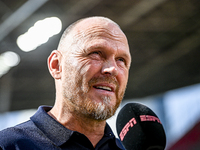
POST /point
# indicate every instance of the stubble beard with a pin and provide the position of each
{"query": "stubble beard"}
(76, 91)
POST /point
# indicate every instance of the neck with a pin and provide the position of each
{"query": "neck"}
(92, 129)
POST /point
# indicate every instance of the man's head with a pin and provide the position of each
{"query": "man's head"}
(91, 67)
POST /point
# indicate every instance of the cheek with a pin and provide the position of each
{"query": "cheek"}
(78, 65)
(123, 79)
(90, 68)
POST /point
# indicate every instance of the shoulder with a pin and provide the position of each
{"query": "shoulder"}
(15, 134)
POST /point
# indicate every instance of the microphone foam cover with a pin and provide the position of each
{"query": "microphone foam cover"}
(139, 128)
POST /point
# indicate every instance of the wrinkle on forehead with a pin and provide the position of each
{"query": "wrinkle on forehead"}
(94, 28)
(98, 30)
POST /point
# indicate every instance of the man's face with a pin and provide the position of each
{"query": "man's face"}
(95, 71)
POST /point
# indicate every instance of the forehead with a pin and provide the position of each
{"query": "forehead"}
(91, 29)
(94, 27)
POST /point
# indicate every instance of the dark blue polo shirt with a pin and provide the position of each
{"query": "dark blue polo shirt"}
(42, 132)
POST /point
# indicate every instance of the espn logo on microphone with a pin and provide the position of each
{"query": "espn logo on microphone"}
(125, 129)
(133, 122)
(149, 118)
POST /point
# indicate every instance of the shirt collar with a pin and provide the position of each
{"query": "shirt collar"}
(108, 133)
(56, 132)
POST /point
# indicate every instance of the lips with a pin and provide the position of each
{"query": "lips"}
(104, 83)
(106, 87)
(103, 88)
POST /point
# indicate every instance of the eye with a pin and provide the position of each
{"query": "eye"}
(95, 55)
(121, 61)
(95, 52)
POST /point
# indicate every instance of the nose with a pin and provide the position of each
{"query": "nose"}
(110, 67)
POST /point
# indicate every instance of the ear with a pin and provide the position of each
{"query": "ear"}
(54, 64)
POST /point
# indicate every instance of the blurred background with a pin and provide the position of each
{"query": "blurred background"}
(164, 39)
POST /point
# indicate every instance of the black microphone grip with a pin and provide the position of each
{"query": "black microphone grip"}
(139, 128)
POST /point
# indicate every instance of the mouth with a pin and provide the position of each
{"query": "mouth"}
(106, 88)
(104, 84)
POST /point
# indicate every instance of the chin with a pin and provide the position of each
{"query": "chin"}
(99, 109)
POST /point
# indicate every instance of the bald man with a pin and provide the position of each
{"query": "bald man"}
(90, 68)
